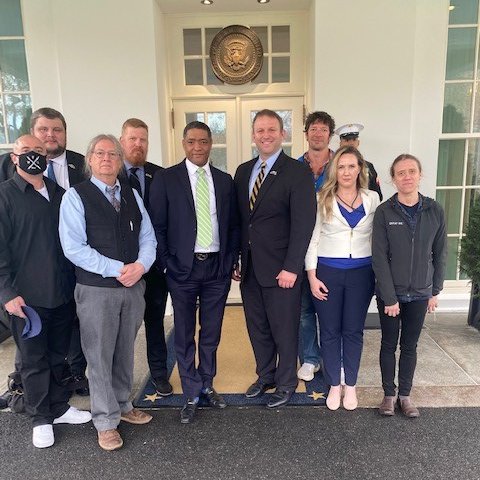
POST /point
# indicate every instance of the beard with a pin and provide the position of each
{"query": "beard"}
(137, 157)
(55, 152)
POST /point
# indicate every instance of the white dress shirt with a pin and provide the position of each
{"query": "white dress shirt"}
(60, 168)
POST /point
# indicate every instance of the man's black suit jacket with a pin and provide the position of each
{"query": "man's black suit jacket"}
(172, 211)
(150, 170)
(75, 163)
(276, 234)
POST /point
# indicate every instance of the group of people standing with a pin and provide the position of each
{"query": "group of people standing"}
(308, 240)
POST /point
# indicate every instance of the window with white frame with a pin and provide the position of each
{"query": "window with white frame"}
(15, 102)
(458, 173)
(275, 40)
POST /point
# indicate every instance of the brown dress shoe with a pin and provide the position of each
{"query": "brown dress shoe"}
(387, 407)
(408, 408)
(136, 417)
(110, 440)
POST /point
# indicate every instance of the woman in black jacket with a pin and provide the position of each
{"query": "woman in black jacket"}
(408, 250)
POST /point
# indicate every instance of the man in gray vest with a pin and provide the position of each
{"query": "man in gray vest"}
(107, 234)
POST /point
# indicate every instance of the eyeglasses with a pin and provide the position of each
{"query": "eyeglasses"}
(110, 155)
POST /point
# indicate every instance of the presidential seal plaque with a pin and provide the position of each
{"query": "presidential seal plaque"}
(236, 54)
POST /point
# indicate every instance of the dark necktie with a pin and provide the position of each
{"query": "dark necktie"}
(113, 199)
(134, 181)
(257, 185)
(51, 172)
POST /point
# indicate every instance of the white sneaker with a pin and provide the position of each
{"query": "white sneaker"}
(307, 371)
(74, 417)
(42, 436)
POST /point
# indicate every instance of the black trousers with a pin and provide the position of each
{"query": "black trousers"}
(273, 318)
(211, 292)
(408, 325)
(42, 362)
(155, 302)
(76, 359)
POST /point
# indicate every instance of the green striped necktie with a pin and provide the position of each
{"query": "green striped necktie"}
(202, 207)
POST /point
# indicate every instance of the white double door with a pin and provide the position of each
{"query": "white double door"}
(231, 123)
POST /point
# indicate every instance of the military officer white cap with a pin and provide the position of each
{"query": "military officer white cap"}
(349, 130)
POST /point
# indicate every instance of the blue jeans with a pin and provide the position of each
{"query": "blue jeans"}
(309, 342)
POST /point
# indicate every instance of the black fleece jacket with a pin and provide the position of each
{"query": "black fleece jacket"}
(408, 263)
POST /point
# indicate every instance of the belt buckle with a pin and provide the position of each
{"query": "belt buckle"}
(201, 256)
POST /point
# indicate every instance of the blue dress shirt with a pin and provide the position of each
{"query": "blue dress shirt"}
(256, 170)
(73, 235)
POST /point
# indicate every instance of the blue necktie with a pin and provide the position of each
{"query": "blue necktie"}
(51, 172)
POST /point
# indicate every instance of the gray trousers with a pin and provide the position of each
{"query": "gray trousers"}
(109, 321)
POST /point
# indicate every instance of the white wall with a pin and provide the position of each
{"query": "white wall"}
(380, 63)
(95, 62)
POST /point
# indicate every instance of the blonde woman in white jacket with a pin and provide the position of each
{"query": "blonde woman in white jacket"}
(339, 269)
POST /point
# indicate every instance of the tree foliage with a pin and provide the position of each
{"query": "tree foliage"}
(470, 247)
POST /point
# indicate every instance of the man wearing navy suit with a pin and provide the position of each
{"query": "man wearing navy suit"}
(193, 210)
(277, 207)
(139, 172)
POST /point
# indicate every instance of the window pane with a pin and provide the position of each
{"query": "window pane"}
(18, 109)
(465, 12)
(452, 258)
(451, 201)
(476, 115)
(451, 156)
(5, 150)
(262, 76)
(473, 162)
(281, 69)
(209, 36)
(457, 108)
(192, 41)
(288, 150)
(217, 121)
(212, 79)
(194, 117)
(281, 39)
(10, 19)
(262, 33)
(218, 158)
(287, 123)
(13, 65)
(471, 196)
(193, 72)
(461, 53)
(3, 137)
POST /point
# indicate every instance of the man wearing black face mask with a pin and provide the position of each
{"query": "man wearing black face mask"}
(34, 272)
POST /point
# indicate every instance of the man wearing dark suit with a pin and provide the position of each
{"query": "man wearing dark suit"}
(66, 168)
(193, 209)
(276, 201)
(134, 141)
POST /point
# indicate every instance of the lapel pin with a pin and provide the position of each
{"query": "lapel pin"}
(149, 175)
(273, 172)
(71, 165)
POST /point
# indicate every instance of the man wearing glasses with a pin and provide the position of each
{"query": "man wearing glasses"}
(106, 233)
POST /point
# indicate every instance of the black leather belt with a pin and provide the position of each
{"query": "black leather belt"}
(205, 256)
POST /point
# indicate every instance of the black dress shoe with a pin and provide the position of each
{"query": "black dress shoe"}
(214, 399)
(258, 388)
(80, 385)
(162, 386)
(279, 398)
(188, 411)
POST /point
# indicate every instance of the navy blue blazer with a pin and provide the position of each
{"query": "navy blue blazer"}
(276, 234)
(172, 210)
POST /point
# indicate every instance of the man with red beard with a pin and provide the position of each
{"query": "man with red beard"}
(134, 141)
